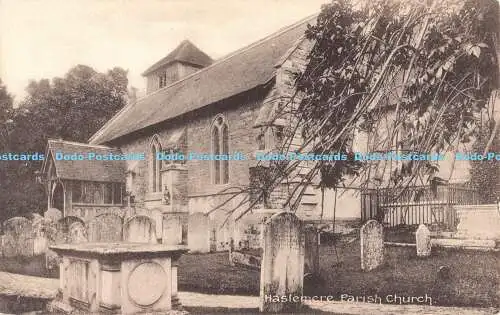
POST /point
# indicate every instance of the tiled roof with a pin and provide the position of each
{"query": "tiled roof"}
(93, 170)
(245, 69)
(186, 52)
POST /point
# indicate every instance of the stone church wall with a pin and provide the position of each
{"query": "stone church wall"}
(240, 117)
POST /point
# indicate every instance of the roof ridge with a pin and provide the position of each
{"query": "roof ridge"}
(81, 144)
(181, 53)
(192, 78)
(230, 55)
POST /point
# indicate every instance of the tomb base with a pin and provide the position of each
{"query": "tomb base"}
(117, 278)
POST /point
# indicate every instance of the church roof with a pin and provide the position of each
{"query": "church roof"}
(241, 71)
(87, 170)
(186, 52)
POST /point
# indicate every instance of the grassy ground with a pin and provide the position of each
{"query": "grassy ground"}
(473, 278)
(211, 273)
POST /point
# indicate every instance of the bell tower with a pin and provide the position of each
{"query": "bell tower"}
(181, 62)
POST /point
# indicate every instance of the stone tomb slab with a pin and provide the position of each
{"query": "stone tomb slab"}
(120, 278)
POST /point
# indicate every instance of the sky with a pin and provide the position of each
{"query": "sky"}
(45, 38)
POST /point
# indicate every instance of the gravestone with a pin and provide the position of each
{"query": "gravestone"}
(69, 229)
(18, 237)
(157, 217)
(35, 217)
(77, 233)
(139, 229)
(423, 240)
(105, 228)
(372, 245)
(282, 267)
(198, 233)
(175, 228)
(53, 214)
(40, 241)
(311, 262)
(63, 234)
(443, 273)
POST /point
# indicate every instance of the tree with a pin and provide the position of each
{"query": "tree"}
(6, 111)
(71, 108)
(415, 76)
(430, 67)
(485, 175)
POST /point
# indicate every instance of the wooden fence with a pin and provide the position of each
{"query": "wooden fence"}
(416, 205)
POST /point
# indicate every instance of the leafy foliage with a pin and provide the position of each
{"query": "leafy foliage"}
(6, 112)
(430, 68)
(71, 108)
(410, 77)
(485, 175)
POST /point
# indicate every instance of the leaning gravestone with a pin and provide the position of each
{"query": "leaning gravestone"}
(372, 245)
(105, 228)
(423, 240)
(139, 229)
(282, 267)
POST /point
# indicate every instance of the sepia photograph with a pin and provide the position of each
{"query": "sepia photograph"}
(250, 157)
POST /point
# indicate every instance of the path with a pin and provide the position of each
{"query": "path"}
(14, 284)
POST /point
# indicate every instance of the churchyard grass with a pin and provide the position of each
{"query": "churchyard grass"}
(473, 275)
(472, 282)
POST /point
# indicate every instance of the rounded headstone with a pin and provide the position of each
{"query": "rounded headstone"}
(139, 229)
(53, 214)
(77, 233)
(423, 241)
(444, 272)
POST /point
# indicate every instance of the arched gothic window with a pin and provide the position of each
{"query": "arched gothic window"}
(154, 165)
(220, 145)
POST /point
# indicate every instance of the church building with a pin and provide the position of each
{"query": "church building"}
(198, 106)
(193, 105)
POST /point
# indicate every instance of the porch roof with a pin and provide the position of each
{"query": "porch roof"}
(85, 170)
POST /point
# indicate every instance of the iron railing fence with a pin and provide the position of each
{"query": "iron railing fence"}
(417, 204)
